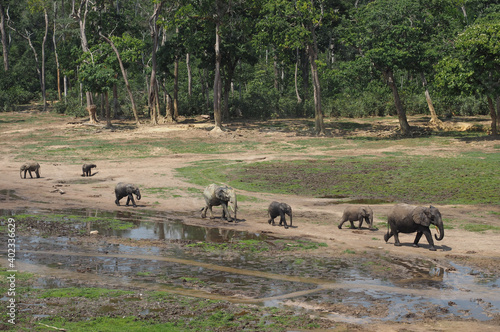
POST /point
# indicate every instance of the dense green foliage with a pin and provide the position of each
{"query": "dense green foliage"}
(264, 45)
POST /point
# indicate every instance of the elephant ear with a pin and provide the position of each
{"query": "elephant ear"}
(421, 216)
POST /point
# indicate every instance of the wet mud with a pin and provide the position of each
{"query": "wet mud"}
(160, 252)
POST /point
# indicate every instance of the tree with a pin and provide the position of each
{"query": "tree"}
(124, 74)
(475, 67)
(391, 34)
(3, 34)
(292, 25)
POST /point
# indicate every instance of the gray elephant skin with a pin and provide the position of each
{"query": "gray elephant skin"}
(126, 190)
(406, 218)
(216, 195)
(357, 213)
(276, 209)
(87, 169)
(30, 167)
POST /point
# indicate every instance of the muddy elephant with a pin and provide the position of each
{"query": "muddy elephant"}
(30, 167)
(357, 213)
(279, 209)
(87, 169)
(216, 195)
(406, 218)
(126, 190)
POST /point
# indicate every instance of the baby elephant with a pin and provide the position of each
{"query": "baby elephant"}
(87, 169)
(279, 209)
(30, 167)
(355, 213)
(126, 190)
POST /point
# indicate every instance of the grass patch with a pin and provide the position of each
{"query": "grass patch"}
(469, 179)
(480, 228)
(89, 293)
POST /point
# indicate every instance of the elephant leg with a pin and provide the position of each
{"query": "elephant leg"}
(388, 235)
(396, 239)
(352, 225)
(341, 223)
(417, 238)
(211, 212)
(429, 239)
(271, 220)
(30, 174)
(128, 200)
(225, 213)
(117, 201)
(204, 212)
(37, 174)
(130, 197)
(360, 222)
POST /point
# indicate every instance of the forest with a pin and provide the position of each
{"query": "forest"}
(154, 60)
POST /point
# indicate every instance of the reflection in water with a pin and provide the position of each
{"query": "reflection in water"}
(474, 295)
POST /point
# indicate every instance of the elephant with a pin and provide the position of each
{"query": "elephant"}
(126, 190)
(406, 218)
(279, 209)
(30, 167)
(355, 213)
(87, 169)
(216, 195)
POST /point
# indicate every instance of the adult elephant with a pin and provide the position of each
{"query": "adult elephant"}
(406, 218)
(216, 195)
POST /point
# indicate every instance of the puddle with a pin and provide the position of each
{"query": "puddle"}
(337, 288)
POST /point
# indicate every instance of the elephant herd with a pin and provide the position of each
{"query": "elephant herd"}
(403, 218)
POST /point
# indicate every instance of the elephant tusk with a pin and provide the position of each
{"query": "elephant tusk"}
(437, 229)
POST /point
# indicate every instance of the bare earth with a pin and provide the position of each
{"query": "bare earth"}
(476, 249)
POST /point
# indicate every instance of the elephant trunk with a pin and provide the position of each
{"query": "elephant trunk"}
(440, 230)
(138, 196)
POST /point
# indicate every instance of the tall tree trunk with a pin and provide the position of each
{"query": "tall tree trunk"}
(493, 115)
(319, 125)
(276, 74)
(116, 104)
(299, 100)
(403, 122)
(4, 40)
(176, 88)
(153, 91)
(108, 111)
(44, 90)
(190, 78)
(58, 68)
(82, 17)
(217, 81)
(124, 74)
(434, 118)
(498, 111)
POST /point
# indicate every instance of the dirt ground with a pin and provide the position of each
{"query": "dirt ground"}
(480, 250)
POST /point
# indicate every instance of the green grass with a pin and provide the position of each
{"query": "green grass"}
(469, 178)
(480, 228)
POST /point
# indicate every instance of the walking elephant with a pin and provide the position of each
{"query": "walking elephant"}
(30, 167)
(406, 218)
(216, 195)
(87, 169)
(355, 213)
(279, 209)
(126, 190)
